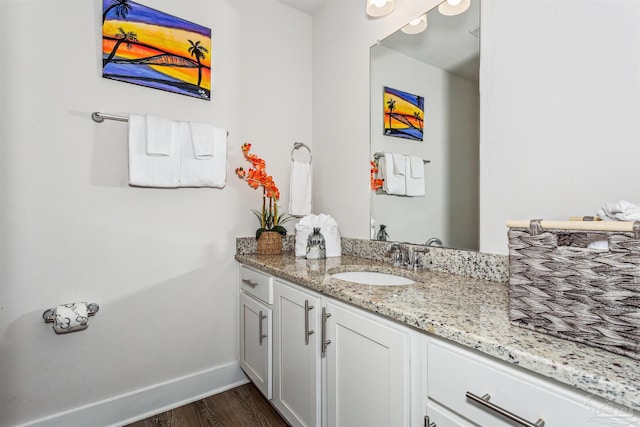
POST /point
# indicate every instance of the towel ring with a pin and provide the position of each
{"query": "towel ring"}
(297, 145)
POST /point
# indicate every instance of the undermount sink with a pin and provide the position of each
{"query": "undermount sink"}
(372, 278)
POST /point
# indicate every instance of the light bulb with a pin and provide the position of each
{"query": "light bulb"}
(454, 7)
(416, 26)
(378, 8)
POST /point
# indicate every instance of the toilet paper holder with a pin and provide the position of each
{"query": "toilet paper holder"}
(70, 324)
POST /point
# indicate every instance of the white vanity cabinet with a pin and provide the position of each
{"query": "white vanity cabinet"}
(367, 369)
(476, 388)
(296, 354)
(256, 297)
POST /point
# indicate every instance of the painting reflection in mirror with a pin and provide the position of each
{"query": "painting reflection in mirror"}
(442, 65)
(403, 114)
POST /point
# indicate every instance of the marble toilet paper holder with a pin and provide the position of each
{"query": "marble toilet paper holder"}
(65, 324)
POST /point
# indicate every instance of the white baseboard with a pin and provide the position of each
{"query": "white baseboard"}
(143, 403)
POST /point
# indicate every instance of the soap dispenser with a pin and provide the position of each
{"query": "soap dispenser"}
(316, 245)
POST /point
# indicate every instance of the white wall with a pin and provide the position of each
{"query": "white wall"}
(450, 143)
(560, 102)
(159, 262)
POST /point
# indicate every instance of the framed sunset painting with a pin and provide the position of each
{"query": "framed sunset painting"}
(403, 114)
(150, 48)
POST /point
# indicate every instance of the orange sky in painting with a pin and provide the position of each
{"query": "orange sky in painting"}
(170, 40)
(401, 107)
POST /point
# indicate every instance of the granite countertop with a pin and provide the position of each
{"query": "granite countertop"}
(471, 312)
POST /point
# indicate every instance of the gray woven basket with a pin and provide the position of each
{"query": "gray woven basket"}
(560, 287)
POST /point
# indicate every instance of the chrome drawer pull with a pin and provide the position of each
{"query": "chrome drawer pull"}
(260, 319)
(249, 282)
(307, 332)
(325, 341)
(484, 401)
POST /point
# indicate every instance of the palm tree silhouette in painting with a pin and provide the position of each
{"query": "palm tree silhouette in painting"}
(198, 51)
(392, 106)
(416, 114)
(122, 36)
(121, 7)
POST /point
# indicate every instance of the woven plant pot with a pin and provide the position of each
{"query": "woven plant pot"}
(270, 243)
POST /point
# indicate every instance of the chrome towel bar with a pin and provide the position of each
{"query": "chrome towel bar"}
(100, 117)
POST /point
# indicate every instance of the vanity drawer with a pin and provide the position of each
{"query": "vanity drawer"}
(257, 284)
(454, 372)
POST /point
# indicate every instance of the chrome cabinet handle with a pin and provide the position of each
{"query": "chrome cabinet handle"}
(484, 401)
(428, 423)
(307, 332)
(250, 283)
(325, 341)
(261, 317)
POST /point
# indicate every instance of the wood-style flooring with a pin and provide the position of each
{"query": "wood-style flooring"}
(239, 407)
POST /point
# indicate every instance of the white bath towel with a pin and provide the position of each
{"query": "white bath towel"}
(300, 188)
(202, 172)
(392, 184)
(328, 229)
(158, 135)
(415, 183)
(202, 138)
(162, 171)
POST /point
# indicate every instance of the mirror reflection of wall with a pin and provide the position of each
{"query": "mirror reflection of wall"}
(441, 64)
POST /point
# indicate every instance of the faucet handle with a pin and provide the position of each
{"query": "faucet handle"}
(416, 261)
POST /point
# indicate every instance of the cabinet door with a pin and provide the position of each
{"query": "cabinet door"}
(367, 370)
(255, 342)
(296, 370)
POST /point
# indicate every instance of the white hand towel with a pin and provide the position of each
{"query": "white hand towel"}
(328, 228)
(414, 185)
(417, 167)
(158, 135)
(202, 138)
(399, 163)
(392, 184)
(151, 170)
(300, 188)
(202, 172)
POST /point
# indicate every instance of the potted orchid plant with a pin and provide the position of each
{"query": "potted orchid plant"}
(269, 218)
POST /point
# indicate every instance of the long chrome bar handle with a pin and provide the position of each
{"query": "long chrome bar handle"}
(261, 317)
(307, 332)
(484, 401)
(428, 423)
(249, 282)
(325, 341)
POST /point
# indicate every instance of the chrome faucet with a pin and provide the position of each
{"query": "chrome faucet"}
(434, 241)
(400, 254)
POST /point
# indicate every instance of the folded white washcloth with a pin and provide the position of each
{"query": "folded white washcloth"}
(300, 188)
(328, 229)
(599, 244)
(145, 170)
(399, 164)
(158, 135)
(202, 138)
(414, 186)
(202, 172)
(392, 183)
(620, 211)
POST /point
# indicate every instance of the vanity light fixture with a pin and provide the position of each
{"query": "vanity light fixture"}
(453, 7)
(378, 8)
(416, 26)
